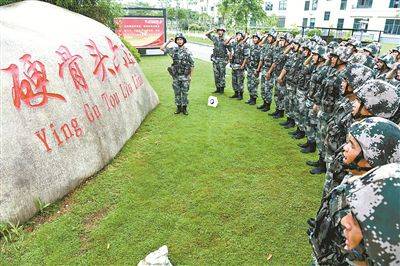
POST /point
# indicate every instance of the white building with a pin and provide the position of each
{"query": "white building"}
(380, 15)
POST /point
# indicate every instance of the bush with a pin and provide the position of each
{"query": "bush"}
(197, 27)
(132, 49)
(294, 31)
(313, 32)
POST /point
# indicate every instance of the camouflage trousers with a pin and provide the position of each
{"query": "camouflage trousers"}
(289, 100)
(237, 80)
(180, 84)
(219, 68)
(266, 87)
(321, 132)
(300, 109)
(311, 120)
(279, 95)
(252, 82)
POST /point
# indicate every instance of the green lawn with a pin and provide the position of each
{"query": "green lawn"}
(224, 186)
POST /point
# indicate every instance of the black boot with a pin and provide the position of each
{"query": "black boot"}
(274, 113)
(262, 106)
(221, 90)
(320, 169)
(286, 122)
(291, 124)
(235, 95)
(293, 133)
(253, 101)
(300, 135)
(311, 148)
(315, 163)
(304, 145)
(279, 114)
(240, 96)
(217, 90)
(267, 107)
(184, 110)
(178, 109)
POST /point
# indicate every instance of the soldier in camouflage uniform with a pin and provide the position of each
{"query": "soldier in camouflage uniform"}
(288, 75)
(374, 215)
(383, 66)
(371, 143)
(219, 58)
(239, 56)
(371, 51)
(329, 96)
(266, 60)
(353, 45)
(279, 57)
(394, 77)
(302, 77)
(181, 71)
(319, 71)
(252, 69)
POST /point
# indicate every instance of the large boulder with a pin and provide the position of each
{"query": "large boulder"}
(71, 96)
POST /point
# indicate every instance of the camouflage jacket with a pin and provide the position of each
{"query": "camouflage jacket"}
(279, 58)
(315, 84)
(331, 92)
(240, 52)
(381, 75)
(254, 56)
(182, 60)
(303, 76)
(267, 56)
(338, 124)
(292, 66)
(220, 51)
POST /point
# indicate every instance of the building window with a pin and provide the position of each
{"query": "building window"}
(314, 4)
(394, 3)
(305, 22)
(268, 6)
(327, 15)
(360, 23)
(282, 4)
(364, 3)
(312, 22)
(392, 26)
(340, 23)
(281, 22)
(343, 4)
(307, 5)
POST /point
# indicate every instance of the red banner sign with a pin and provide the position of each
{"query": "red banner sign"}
(142, 32)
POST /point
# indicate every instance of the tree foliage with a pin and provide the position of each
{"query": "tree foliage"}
(242, 13)
(104, 11)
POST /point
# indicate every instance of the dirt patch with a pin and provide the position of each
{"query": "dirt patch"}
(91, 220)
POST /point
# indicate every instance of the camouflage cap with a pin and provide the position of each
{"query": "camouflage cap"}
(397, 48)
(297, 39)
(374, 200)
(316, 38)
(221, 27)
(332, 45)
(287, 36)
(181, 36)
(379, 140)
(389, 60)
(353, 42)
(322, 42)
(373, 48)
(343, 53)
(273, 33)
(357, 74)
(379, 97)
(257, 35)
(320, 50)
(241, 33)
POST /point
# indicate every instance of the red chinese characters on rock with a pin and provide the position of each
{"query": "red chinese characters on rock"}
(69, 62)
(115, 49)
(128, 58)
(32, 89)
(100, 69)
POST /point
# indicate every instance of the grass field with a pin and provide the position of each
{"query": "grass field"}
(224, 186)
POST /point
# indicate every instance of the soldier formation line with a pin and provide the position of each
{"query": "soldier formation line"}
(344, 99)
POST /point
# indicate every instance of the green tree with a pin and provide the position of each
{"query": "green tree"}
(104, 11)
(240, 13)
